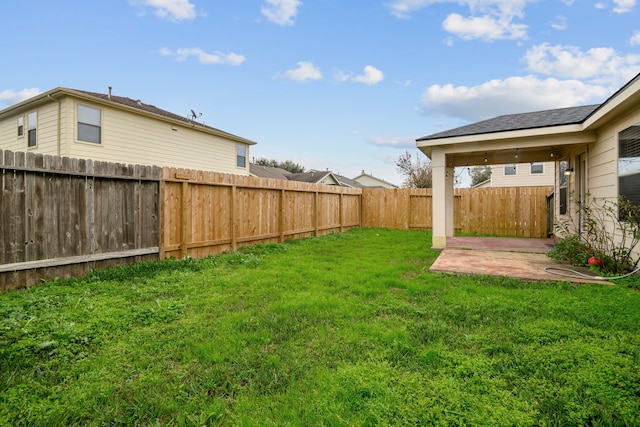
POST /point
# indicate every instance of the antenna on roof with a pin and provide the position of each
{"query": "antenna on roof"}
(194, 116)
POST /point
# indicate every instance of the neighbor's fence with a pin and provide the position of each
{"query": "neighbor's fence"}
(508, 211)
(62, 217)
(206, 213)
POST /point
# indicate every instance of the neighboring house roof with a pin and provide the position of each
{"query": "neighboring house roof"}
(483, 184)
(348, 182)
(312, 177)
(268, 172)
(511, 122)
(124, 103)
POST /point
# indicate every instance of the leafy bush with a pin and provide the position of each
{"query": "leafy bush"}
(609, 230)
(572, 250)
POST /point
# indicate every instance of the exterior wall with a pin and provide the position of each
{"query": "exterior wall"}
(602, 166)
(131, 138)
(523, 176)
(125, 138)
(46, 130)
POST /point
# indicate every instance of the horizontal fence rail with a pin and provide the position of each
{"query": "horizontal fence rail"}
(63, 217)
(206, 213)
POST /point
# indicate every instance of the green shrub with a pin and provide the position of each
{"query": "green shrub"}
(572, 250)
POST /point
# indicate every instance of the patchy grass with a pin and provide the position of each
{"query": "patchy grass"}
(347, 329)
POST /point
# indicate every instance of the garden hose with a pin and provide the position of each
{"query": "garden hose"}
(577, 275)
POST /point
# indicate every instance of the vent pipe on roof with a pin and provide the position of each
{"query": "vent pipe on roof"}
(109, 96)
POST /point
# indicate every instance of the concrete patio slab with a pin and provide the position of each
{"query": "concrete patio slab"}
(518, 258)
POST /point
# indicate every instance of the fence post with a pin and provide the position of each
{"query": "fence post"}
(234, 242)
(184, 224)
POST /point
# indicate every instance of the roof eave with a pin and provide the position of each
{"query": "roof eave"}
(622, 101)
(497, 136)
(60, 91)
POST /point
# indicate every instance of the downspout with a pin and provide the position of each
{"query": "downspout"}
(59, 126)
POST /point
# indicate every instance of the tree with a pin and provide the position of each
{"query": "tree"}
(287, 165)
(479, 174)
(417, 174)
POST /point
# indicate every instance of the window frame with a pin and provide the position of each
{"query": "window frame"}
(629, 170)
(531, 171)
(32, 129)
(88, 125)
(241, 156)
(511, 166)
(20, 123)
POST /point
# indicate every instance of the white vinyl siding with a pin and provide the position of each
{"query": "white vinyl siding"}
(135, 139)
(523, 176)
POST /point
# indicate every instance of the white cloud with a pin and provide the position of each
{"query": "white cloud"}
(183, 53)
(600, 64)
(305, 71)
(174, 10)
(559, 23)
(404, 8)
(11, 97)
(393, 141)
(511, 95)
(483, 27)
(371, 76)
(281, 12)
(635, 38)
(624, 6)
(488, 20)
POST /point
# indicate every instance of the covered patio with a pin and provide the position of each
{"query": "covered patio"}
(544, 136)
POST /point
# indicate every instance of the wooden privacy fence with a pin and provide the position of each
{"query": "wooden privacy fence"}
(508, 211)
(62, 217)
(206, 213)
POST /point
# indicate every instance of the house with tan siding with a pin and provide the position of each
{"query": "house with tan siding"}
(368, 180)
(535, 174)
(80, 124)
(595, 150)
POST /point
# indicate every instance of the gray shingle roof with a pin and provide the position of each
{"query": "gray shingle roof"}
(512, 122)
(137, 104)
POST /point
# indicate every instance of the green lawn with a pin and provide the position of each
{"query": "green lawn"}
(344, 330)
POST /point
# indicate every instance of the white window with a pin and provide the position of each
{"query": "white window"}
(241, 156)
(89, 124)
(629, 164)
(509, 169)
(32, 124)
(21, 126)
(537, 168)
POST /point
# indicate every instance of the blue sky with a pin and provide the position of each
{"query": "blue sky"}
(345, 85)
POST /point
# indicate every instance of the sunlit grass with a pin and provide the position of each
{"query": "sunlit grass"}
(347, 329)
